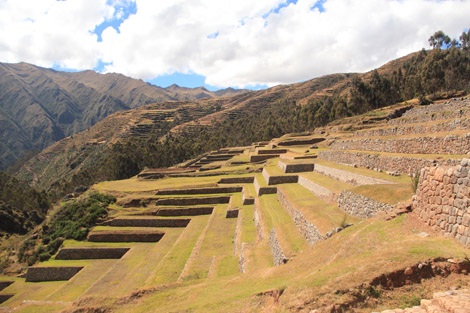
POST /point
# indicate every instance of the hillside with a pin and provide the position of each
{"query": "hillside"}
(200, 126)
(365, 214)
(40, 106)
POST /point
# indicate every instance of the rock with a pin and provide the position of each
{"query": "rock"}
(423, 234)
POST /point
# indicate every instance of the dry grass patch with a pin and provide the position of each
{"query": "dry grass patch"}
(390, 194)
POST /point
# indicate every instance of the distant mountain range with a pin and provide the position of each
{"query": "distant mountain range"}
(40, 106)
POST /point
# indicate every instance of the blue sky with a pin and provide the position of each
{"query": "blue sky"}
(222, 43)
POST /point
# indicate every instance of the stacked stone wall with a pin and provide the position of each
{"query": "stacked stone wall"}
(184, 211)
(125, 236)
(53, 273)
(263, 190)
(90, 253)
(4, 284)
(451, 144)
(295, 168)
(276, 250)
(361, 206)
(262, 157)
(391, 164)
(455, 124)
(442, 199)
(348, 177)
(193, 201)
(299, 142)
(5, 297)
(272, 151)
(196, 191)
(307, 229)
(275, 180)
(236, 180)
(147, 222)
(321, 192)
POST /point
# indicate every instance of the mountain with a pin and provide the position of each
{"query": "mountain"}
(40, 106)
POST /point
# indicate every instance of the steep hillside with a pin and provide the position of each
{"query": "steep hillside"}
(40, 106)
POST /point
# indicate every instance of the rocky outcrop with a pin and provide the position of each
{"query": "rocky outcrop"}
(442, 199)
(361, 206)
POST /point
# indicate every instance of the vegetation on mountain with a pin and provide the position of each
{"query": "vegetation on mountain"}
(21, 207)
(73, 220)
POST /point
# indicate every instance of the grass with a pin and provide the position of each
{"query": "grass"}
(390, 194)
(332, 184)
(169, 268)
(325, 217)
(218, 241)
(274, 216)
(248, 227)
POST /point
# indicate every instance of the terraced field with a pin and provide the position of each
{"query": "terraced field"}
(269, 227)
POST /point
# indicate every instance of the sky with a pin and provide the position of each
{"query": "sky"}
(220, 43)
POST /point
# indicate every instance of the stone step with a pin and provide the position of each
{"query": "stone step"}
(90, 253)
(125, 236)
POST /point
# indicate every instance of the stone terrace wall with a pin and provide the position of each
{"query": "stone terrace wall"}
(398, 165)
(295, 168)
(193, 201)
(455, 124)
(236, 180)
(275, 180)
(196, 191)
(37, 274)
(4, 284)
(184, 211)
(5, 297)
(321, 192)
(148, 222)
(442, 199)
(451, 144)
(90, 253)
(348, 177)
(361, 206)
(125, 236)
(455, 108)
(278, 255)
(307, 229)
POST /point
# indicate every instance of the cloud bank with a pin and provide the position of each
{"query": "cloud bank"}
(231, 43)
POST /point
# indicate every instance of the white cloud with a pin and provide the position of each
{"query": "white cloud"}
(163, 37)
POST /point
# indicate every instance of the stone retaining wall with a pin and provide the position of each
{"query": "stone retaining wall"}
(263, 190)
(301, 142)
(53, 273)
(4, 284)
(275, 180)
(184, 211)
(390, 164)
(241, 259)
(262, 157)
(321, 192)
(307, 229)
(348, 177)
(442, 199)
(245, 199)
(193, 201)
(90, 253)
(455, 124)
(295, 168)
(276, 250)
(361, 206)
(125, 236)
(196, 191)
(451, 144)
(5, 297)
(148, 222)
(257, 219)
(446, 109)
(231, 213)
(271, 151)
(236, 180)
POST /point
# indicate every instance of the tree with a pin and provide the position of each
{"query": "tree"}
(439, 39)
(465, 40)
